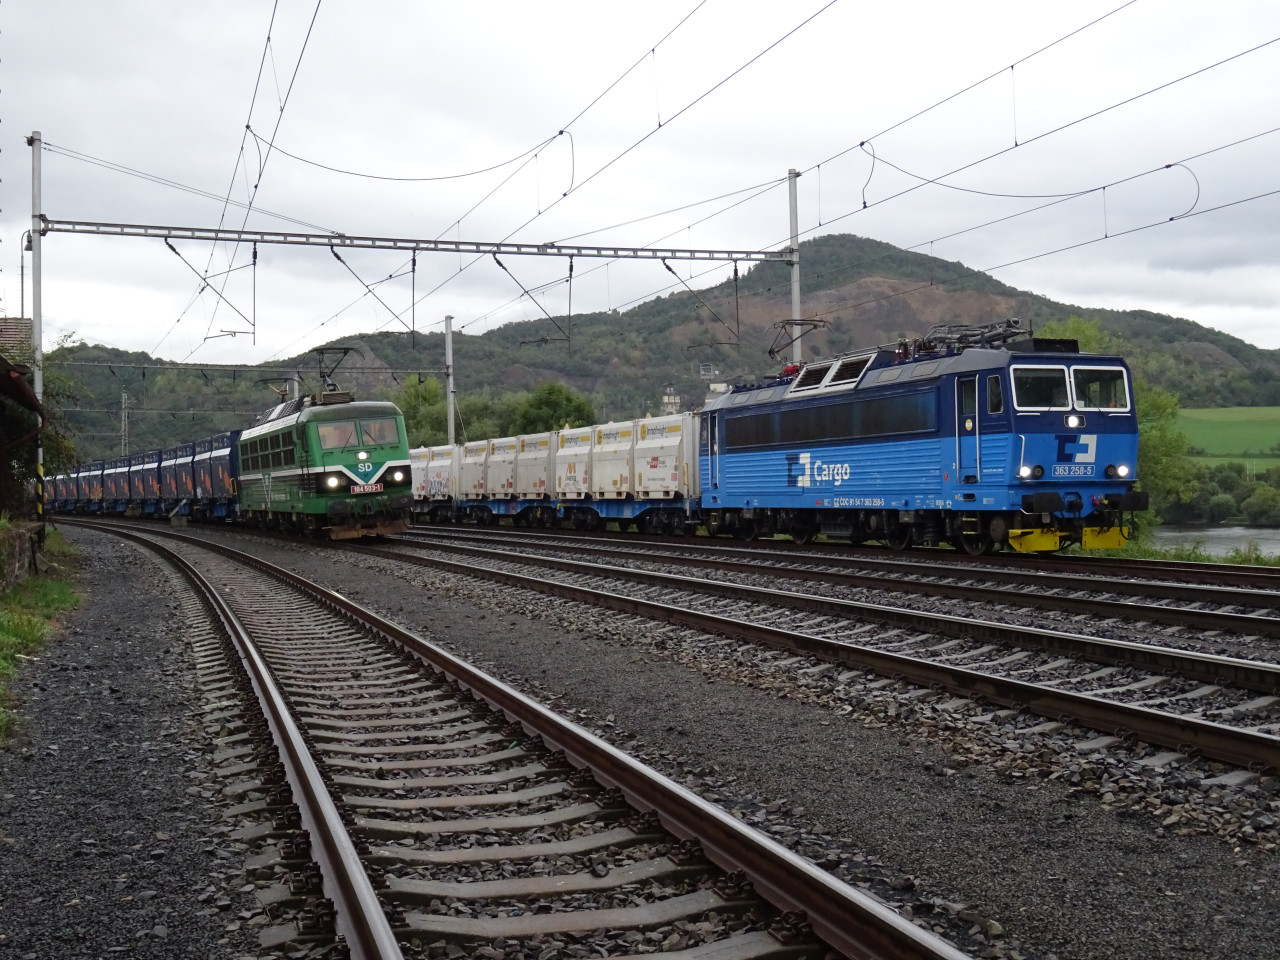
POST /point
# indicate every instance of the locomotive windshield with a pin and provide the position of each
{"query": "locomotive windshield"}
(382, 430)
(1040, 388)
(370, 433)
(1100, 388)
(336, 435)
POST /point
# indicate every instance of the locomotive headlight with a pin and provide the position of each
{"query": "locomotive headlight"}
(1122, 470)
(1075, 421)
(1037, 471)
(362, 455)
(1024, 471)
(332, 481)
(398, 476)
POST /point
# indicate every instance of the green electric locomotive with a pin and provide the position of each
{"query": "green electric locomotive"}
(328, 465)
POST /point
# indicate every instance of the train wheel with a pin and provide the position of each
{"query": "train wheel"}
(804, 532)
(899, 538)
(974, 544)
(747, 530)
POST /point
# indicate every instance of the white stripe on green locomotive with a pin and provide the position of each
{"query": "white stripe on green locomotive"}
(341, 469)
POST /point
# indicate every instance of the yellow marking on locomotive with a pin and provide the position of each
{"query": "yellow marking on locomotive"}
(1034, 540)
(1104, 538)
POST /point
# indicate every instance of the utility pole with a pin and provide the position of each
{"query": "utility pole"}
(448, 373)
(124, 423)
(37, 336)
(792, 176)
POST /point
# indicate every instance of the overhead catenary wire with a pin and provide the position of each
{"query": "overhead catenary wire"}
(263, 162)
(688, 106)
(563, 129)
(1099, 188)
(1055, 130)
(374, 176)
(1049, 253)
(906, 165)
(769, 185)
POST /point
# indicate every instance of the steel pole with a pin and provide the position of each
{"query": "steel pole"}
(792, 176)
(37, 335)
(448, 373)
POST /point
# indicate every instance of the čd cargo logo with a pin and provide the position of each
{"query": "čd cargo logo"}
(803, 473)
(1076, 448)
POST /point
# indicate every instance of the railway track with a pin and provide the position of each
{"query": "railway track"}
(1210, 605)
(1001, 565)
(409, 800)
(1223, 707)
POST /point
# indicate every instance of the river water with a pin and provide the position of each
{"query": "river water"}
(1219, 541)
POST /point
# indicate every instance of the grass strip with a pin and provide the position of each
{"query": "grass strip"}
(29, 615)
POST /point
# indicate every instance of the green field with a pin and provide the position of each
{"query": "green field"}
(1234, 433)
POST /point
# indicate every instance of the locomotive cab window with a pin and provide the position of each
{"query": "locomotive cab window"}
(995, 396)
(336, 435)
(1100, 388)
(1040, 388)
(380, 431)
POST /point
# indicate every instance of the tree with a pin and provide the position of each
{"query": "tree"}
(552, 406)
(1262, 509)
(422, 403)
(1221, 506)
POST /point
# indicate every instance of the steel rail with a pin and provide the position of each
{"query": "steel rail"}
(1234, 745)
(927, 566)
(854, 923)
(358, 913)
(1222, 574)
(1225, 574)
(1207, 619)
(1210, 668)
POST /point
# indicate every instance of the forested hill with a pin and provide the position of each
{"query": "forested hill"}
(867, 293)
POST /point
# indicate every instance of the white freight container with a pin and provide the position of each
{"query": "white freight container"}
(501, 475)
(611, 460)
(536, 466)
(471, 475)
(419, 459)
(666, 457)
(442, 473)
(573, 463)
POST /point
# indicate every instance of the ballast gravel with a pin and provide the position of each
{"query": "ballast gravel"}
(104, 844)
(1045, 869)
(1041, 868)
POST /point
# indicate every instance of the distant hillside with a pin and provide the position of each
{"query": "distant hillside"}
(867, 292)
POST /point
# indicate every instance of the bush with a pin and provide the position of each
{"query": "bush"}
(1262, 509)
(1221, 506)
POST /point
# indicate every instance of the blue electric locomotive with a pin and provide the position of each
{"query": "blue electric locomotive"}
(974, 436)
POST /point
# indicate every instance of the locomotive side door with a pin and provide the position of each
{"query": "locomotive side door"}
(967, 466)
(712, 432)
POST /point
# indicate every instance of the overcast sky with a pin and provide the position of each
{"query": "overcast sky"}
(742, 90)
